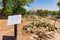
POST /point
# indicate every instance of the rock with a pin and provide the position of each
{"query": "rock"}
(28, 30)
(49, 32)
(38, 38)
(34, 27)
(31, 31)
(47, 27)
(33, 37)
(24, 27)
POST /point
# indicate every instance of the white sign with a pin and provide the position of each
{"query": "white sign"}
(14, 19)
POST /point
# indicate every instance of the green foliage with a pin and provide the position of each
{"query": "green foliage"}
(28, 13)
(21, 10)
(58, 3)
(54, 13)
(44, 24)
(38, 23)
(51, 27)
(59, 12)
(31, 25)
(15, 6)
(45, 12)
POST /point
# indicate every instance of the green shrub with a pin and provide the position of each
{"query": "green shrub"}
(51, 27)
(44, 24)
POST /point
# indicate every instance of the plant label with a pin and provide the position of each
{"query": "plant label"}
(14, 19)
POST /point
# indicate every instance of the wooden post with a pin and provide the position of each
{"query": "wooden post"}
(15, 31)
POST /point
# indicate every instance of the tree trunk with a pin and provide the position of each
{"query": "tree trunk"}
(4, 6)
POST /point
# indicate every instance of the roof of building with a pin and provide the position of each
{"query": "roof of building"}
(35, 9)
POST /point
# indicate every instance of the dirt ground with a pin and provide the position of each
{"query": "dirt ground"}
(21, 34)
(9, 30)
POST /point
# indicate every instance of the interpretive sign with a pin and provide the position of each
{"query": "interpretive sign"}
(14, 19)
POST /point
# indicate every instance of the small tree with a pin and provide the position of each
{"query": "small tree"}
(54, 13)
(50, 13)
(45, 12)
(58, 4)
(15, 6)
(40, 12)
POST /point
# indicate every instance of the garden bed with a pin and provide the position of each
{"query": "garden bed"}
(39, 30)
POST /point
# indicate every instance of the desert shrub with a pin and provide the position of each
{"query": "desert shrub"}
(30, 25)
(51, 27)
(44, 24)
(39, 17)
(38, 23)
(37, 28)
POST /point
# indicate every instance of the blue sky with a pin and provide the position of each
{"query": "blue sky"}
(47, 4)
(0, 3)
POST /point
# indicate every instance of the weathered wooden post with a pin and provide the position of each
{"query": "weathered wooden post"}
(15, 31)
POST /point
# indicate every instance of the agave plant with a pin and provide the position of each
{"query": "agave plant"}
(44, 24)
(38, 23)
(51, 27)
(30, 25)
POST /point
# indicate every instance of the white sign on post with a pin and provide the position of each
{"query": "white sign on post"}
(14, 19)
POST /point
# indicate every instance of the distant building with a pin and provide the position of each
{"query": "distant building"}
(36, 11)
